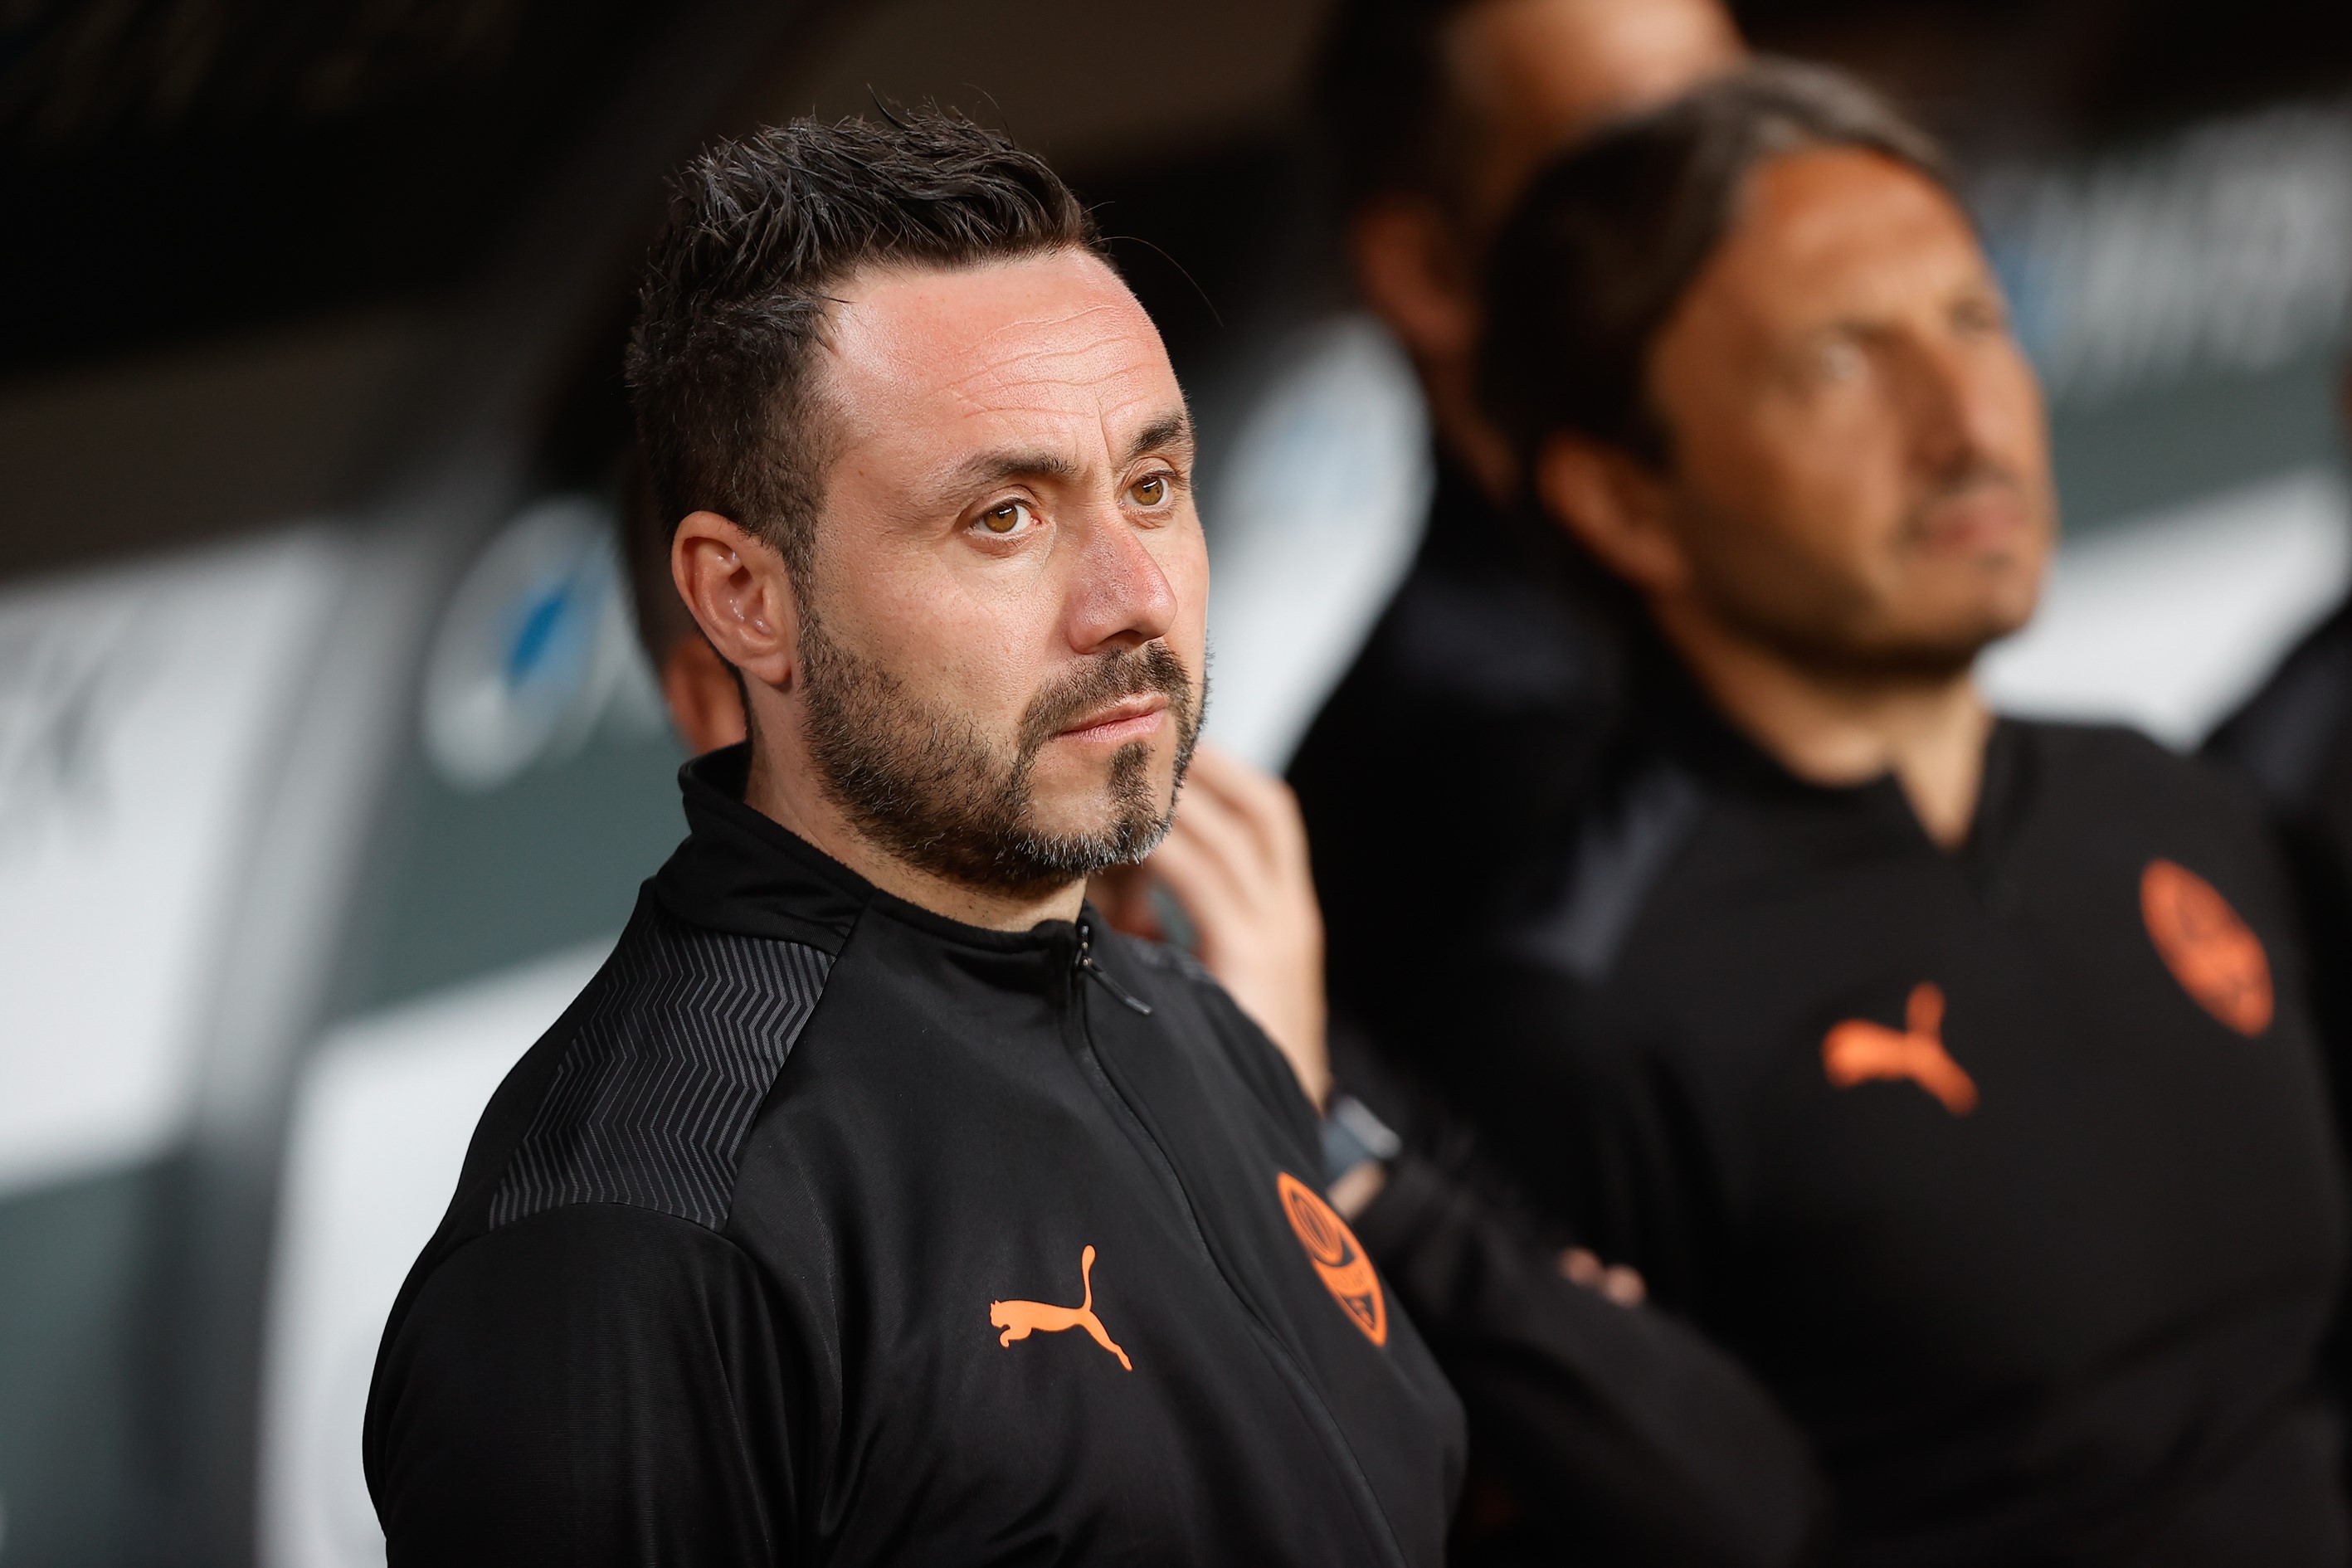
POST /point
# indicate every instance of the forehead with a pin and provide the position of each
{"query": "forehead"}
(1028, 348)
(1840, 231)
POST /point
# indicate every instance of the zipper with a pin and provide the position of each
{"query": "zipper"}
(1086, 962)
(1302, 1388)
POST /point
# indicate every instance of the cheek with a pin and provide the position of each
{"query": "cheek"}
(1851, 490)
(954, 647)
(1814, 487)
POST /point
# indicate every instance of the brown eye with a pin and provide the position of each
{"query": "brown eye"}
(1005, 517)
(1150, 491)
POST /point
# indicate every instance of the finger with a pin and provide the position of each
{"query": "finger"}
(1212, 901)
(1220, 832)
(1581, 1266)
(1624, 1285)
(1274, 805)
(1262, 803)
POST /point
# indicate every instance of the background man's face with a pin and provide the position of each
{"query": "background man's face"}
(1003, 636)
(1860, 465)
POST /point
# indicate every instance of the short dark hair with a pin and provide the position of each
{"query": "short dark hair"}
(736, 290)
(1608, 239)
(1391, 119)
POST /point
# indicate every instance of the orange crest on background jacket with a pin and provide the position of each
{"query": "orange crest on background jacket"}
(1336, 1255)
(2214, 954)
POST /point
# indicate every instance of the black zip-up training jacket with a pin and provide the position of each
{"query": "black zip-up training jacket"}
(2007, 1168)
(823, 1228)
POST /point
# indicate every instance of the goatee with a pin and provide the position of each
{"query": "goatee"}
(932, 788)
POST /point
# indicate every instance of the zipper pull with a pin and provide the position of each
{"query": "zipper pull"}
(1086, 962)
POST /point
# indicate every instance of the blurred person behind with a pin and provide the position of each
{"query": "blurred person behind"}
(875, 1203)
(1475, 698)
(1954, 1071)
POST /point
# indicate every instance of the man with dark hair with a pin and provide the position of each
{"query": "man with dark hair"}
(1473, 701)
(1954, 1071)
(874, 1204)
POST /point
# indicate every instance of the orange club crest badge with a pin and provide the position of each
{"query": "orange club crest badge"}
(1339, 1257)
(2213, 954)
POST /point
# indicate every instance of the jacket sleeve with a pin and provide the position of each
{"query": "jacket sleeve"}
(1614, 1434)
(592, 1386)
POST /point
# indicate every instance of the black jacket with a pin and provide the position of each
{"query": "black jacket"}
(2008, 1169)
(822, 1228)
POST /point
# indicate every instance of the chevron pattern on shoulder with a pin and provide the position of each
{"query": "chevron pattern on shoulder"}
(651, 1102)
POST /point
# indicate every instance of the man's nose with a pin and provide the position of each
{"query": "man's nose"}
(1119, 597)
(1962, 415)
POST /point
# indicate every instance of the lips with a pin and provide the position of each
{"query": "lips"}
(1129, 718)
(1985, 518)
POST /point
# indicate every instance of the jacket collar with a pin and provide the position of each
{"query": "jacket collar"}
(740, 870)
(1673, 718)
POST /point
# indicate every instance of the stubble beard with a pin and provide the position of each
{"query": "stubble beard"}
(929, 786)
(1818, 638)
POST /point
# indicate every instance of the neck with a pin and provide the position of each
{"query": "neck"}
(791, 797)
(1846, 727)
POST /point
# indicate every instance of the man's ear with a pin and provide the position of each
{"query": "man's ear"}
(1614, 506)
(1407, 271)
(740, 593)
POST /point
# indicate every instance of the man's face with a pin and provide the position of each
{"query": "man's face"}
(1003, 641)
(1859, 465)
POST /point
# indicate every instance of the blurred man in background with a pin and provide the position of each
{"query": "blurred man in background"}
(1476, 696)
(1955, 1071)
(874, 1204)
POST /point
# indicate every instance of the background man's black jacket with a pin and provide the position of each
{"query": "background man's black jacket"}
(738, 1264)
(2062, 1307)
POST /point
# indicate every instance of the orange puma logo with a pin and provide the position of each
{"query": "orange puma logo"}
(1019, 1319)
(1859, 1050)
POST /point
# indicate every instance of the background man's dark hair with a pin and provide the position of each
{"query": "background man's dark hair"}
(1391, 120)
(760, 231)
(1608, 239)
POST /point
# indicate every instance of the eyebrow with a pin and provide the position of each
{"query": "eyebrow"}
(1172, 430)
